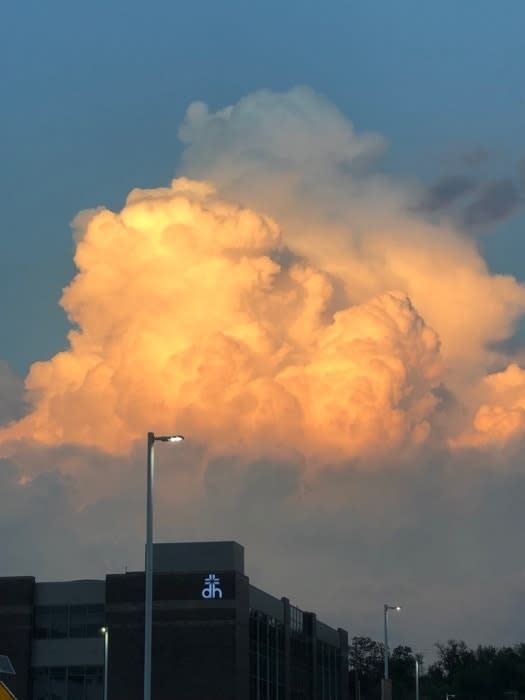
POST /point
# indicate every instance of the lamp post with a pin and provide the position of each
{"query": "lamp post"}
(417, 678)
(105, 632)
(148, 618)
(386, 609)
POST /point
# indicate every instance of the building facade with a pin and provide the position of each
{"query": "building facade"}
(215, 635)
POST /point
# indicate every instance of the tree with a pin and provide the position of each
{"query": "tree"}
(484, 673)
(403, 672)
(365, 658)
(366, 663)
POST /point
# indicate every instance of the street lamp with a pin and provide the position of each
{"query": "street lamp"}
(417, 678)
(152, 439)
(105, 632)
(386, 609)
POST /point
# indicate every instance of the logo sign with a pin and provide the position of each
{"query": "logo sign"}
(211, 587)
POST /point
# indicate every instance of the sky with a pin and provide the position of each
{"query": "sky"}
(292, 232)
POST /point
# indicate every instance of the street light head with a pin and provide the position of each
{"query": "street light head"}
(103, 630)
(169, 438)
(398, 607)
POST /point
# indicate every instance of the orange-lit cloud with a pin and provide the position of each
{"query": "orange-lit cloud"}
(297, 158)
(359, 227)
(187, 316)
(322, 317)
(313, 336)
(501, 416)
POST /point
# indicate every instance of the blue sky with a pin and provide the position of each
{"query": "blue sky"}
(93, 94)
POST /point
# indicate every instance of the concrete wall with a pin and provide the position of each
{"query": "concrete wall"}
(70, 592)
(68, 652)
(183, 557)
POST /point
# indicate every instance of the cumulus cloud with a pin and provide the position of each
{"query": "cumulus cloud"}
(356, 225)
(311, 134)
(318, 314)
(501, 416)
(330, 355)
(182, 307)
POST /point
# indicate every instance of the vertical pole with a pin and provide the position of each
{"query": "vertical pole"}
(287, 693)
(258, 664)
(106, 645)
(148, 618)
(267, 643)
(417, 679)
(386, 642)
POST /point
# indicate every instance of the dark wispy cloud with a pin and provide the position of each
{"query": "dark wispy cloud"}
(12, 404)
(496, 201)
(521, 170)
(510, 348)
(36, 519)
(474, 200)
(446, 191)
(475, 156)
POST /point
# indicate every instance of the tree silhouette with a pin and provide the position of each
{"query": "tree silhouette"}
(483, 673)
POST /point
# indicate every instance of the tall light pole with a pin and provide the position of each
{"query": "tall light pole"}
(148, 618)
(105, 632)
(386, 609)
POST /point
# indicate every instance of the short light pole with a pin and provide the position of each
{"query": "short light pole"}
(105, 632)
(386, 609)
(148, 617)
(417, 678)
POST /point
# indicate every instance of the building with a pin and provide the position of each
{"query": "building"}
(215, 635)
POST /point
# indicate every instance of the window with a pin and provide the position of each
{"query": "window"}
(51, 622)
(73, 683)
(85, 620)
(60, 621)
(327, 672)
(92, 683)
(266, 657)
(40, 684)
(57, 683)
(296, 619)
(300, 656)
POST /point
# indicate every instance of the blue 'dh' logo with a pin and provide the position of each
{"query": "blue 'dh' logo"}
(212, 587)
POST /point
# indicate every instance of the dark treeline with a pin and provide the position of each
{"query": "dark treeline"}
(484, 673)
